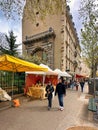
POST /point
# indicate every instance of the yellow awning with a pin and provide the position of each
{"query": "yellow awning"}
(10, 63)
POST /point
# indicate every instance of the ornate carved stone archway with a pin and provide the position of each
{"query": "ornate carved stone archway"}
(40, 52)
(42, 44)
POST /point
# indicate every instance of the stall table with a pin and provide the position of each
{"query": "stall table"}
(37, 92)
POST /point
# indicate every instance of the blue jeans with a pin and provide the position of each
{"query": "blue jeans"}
(60, 98)
(82, 88)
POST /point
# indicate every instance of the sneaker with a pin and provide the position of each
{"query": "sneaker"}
(62, 108)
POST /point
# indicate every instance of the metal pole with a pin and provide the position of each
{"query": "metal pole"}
(44, 79)
(12, 83)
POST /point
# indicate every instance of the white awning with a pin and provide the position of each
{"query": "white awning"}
(49, 72)
(61, 73)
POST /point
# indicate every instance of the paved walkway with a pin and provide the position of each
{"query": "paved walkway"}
(33, 115)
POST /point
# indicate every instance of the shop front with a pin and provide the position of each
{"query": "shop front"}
(36, 84)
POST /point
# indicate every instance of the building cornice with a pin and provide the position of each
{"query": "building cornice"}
(39, 36)
(69, 16)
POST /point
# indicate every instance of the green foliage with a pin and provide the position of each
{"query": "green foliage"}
(35, 59)
(11, 47)
(89, 34)
(13, 8)
(88, 9)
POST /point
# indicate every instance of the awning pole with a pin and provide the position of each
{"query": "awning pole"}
(12, 83)
(44, 79)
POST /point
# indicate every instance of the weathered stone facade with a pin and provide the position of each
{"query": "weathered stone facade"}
(42, 45)
(57, 37)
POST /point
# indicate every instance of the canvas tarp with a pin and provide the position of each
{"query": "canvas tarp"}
(13, 64)
(49, 72)
(10, 63)
(61, 73)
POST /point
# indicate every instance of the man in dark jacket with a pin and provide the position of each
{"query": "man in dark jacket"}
(61, 90)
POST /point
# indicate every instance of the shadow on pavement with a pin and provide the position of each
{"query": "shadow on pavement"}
(40, 109)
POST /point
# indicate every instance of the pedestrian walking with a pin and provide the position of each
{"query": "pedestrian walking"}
(49, 91)
(61, 91)
(76, 85)
(82, 85)
(67, 85)
(72, 84)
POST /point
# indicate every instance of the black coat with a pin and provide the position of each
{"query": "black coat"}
(82, 84)
(49, 90)
(60, 89)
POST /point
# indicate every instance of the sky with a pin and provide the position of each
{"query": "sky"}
(74, 7)
(16, 25)
(8, 25)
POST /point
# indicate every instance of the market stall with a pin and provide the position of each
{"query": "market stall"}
(36, 82)
(13, 64)
(33, 85)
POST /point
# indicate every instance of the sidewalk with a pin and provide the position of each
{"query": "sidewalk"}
(33, 115)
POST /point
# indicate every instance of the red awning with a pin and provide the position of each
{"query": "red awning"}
(80, 76)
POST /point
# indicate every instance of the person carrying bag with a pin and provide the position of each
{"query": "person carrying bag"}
(49, 91)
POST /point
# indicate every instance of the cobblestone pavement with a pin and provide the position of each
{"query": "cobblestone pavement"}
(33, 115)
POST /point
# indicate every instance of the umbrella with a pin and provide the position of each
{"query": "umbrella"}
(10, 63)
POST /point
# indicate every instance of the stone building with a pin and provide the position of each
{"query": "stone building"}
(84, 69)
(54, 39)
